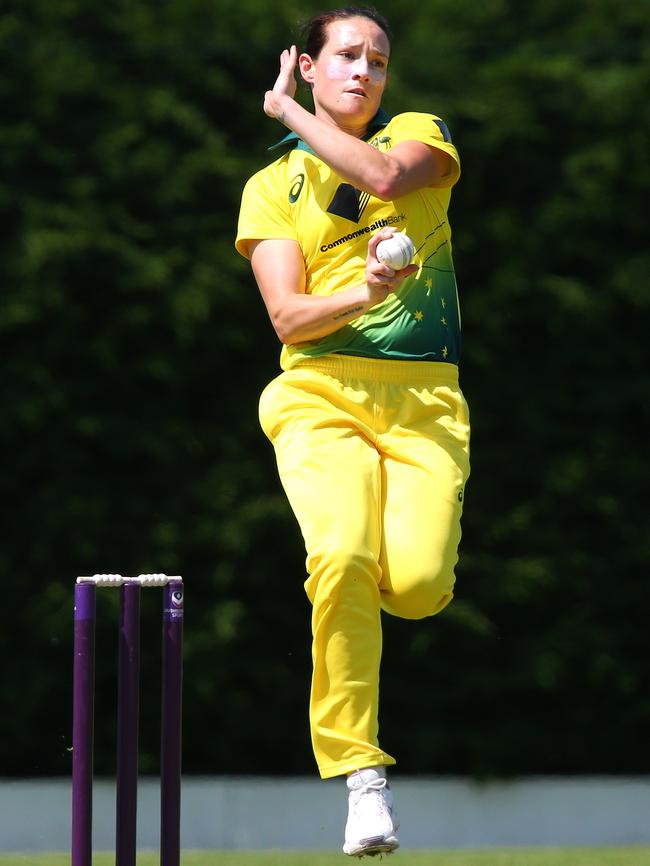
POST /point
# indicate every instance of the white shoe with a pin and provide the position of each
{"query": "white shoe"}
(371, 826)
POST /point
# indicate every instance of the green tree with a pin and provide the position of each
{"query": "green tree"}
(135, 346)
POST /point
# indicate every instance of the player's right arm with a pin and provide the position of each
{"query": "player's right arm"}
(298, 317)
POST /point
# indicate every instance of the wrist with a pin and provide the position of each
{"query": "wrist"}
(282, 106)
(369, 296)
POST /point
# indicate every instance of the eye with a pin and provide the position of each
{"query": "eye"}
(347, 54)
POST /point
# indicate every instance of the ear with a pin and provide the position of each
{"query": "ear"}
(306, 65)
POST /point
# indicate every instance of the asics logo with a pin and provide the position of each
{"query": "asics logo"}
(296, 187)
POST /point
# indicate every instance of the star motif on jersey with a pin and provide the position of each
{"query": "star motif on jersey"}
(418, 315)
(443, 320)
(444, 303)
(445, 351)
(428, 283)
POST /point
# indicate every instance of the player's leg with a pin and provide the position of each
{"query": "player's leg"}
(425, 466)
(330, 472)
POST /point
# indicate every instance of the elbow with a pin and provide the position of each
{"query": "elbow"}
(386, 186)
(282, 327)
(285, 337)
(289, 335)
(384, 193)
(282, 333)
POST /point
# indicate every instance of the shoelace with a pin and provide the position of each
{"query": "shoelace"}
(374, 787)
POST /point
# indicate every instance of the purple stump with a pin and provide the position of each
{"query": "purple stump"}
(83, 700)
(128, 700)
(171, 712)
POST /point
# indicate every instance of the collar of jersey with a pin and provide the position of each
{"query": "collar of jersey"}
(293, 140)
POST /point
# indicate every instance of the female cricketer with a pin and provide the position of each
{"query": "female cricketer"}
(369, 426)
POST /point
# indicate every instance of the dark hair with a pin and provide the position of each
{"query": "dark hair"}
(314, 33)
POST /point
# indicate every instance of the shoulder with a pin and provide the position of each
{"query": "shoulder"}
(419, 124)
(265, 210)
(428, 128)
(269, 176)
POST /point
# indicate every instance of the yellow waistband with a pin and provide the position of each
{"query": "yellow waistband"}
(382, 370)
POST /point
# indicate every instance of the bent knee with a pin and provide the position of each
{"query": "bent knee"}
(333, 570)
(420, 597)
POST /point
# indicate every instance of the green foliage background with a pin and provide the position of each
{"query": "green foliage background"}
(134, 346)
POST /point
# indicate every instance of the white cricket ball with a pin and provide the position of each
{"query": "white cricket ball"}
(397, 251)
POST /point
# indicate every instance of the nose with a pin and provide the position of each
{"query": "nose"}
(361, 71)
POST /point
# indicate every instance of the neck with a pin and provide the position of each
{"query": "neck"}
(351, 125)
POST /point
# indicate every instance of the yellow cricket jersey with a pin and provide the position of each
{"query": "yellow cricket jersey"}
(300, 198)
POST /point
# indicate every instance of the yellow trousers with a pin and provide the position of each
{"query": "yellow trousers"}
(373, 456)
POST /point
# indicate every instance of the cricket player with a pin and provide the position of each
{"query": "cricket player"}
(368, 422)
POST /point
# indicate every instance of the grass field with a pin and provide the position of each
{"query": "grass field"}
(509, 857)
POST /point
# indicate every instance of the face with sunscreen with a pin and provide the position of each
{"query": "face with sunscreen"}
(349, 75)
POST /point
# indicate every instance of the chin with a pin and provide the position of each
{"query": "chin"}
(362, 112)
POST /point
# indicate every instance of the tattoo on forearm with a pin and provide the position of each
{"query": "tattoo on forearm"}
(349, 312)
(281, 116)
